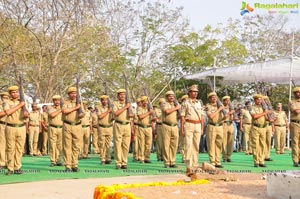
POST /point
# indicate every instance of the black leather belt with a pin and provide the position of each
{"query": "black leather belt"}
(34, 125)
(216, 124)
(248, 123)
(123, 123)
(159, 123)
(95, 126)
(283, 125)
(1, 122)
(56, 126)
(166, 123)
(15, 125)
(105, 126)
(85, 126)
(296, 121)
(260, 125)
(72, 123)
(144, 126)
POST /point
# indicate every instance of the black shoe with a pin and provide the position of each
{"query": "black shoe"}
(296, 164)
(262, 165)
(86, 158)
(173, 166)
(268, 159)
(118, 167)
(255, 165)
(124, 167)
(59, 164)
(9, 173)
(219, 166)
(107, 161)
(135, 160)
(19, 171)
(167, 166)
(68, 170)
(147, 161)
(52, 165)
(80, 158)
(224, 160)
(228, 160)
(75, 169)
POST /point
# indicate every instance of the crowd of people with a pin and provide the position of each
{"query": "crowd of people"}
(69, 128)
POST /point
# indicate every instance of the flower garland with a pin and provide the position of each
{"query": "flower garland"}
(111, 192)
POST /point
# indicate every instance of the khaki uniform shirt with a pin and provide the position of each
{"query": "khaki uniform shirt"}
(294, 104)
(18, 116)
(2, 105)
(95, 119)
(34, 118)
(87, 119)
(211, 109)
(227, 109)
(146, 120)
(257, 110)
(123, 117)
(192, 110)
(158, 113)
(45, 118)
(246, 116)
(73, 116)
(170, 118)
(280, 118)
(107, 120)
(57, 120)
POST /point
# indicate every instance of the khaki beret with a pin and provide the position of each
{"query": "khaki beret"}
(71, 89)
(211, 94)
(257, 96)
(138, 100)
(161, 100)
(13, 88)
(170, 93)
(296, 89)
(56, 97)
(103, 97)
(4, 93)
(144, 98)
(194, 88)
(226, 97)
(85, 102)
(122, 90)
(184, 97)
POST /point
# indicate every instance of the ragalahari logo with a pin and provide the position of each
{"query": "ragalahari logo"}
(246, 8)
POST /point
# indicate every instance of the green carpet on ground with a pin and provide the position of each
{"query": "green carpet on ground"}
(37, 168)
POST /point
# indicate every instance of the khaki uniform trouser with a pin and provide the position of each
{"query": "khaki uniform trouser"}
(280, 136)
(192, 141)
(55, 144)
(15, 141)
(170, 142)
(258, 140)
(2, 145)
(145, 143)
(159, 142)
(71, 138)
(45, 142)
(268, 141)
(122, 136)
(95, 140)
(136, 153)
(86, 141)
(228, 137)
(247, 136)
(181, 146)
(105, 137)
(33, 139)
(295, 140)
(214, 139)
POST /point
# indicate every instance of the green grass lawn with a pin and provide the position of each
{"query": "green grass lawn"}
(37, 168)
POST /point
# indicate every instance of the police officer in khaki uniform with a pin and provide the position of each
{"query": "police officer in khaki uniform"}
(71, 130)
(192, 126)
(146, 125)
(228, 130)
(121, 129)
(269, 133)
(105, 129)
(170, 129)
(258, 131)
(34, 130)
(86, 123)
(214, 137)
(55, 132)
(281, 127)
(136, 152)
(294, 106)
(4, 98)
(245, 127)
(181, 142)
(15, 131)
(45, 126)
(95, 136)
(159, 131)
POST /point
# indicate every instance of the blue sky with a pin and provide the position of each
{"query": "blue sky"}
(203, 12)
